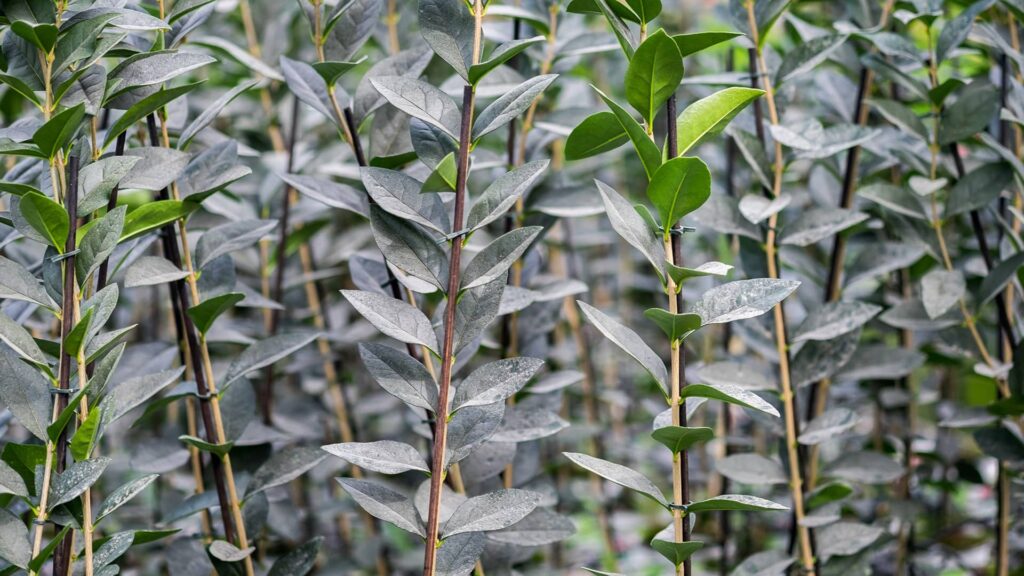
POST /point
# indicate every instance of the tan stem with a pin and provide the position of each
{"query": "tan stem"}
(781, 343)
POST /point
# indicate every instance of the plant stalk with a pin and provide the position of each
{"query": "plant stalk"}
(787, 395)
(448, 346)
(209, 397)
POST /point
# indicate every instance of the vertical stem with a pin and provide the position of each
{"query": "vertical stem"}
(781, 345)
(448, 355)
(102, 273)
(62, 554)
(277, 290)
(448, 359)
(392, 23)
(1003, 508)
(210, 400)
(680, 460)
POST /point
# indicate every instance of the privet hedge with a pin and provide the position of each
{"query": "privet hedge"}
(452, 287)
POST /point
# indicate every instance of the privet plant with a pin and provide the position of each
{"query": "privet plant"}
(225, 227)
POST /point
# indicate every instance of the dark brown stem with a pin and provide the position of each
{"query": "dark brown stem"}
(448, 346)
(267, 392)
(1006, 330)
(101, 275)
(169, 239)
(62, 554)
(682, 463)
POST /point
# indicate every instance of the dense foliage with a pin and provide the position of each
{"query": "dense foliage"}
(511, 287)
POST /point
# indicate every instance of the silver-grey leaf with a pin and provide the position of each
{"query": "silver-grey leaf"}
(629, 342)
(384, 456)
(283, 467)
(835, 319)
(742, 299)
(495, 381)
(394, 318)
(329, 192)
(752, 468)
(264, 353)
(829, 425)
(400, 375)
(941, 290)
(229, 237)
(14, 545)
(498, 256)
(26, 393)
(150, 271)
(421, 100)
(501, 194)
(619, 474)
(384, 503)
(510, 105)
(818, 224)
(631, 226)
(492, 511)
(399, 194)
(78, 477)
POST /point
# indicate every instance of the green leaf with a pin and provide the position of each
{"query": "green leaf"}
(75, 339)
(597, 133)
(85, 436)
(729, 393)
(42, 36)
(901, 116)
(650, 155)
(154, 215)
(220, 450)
(676, 552)
(144, 108)
(679, 187)
(206, 312)
(654, 74)
(332, 71)
(829, 492)
(976, 105)
(692, 43)
(710, 115)
(680, 274)
(979, 188)
(734, 502)
(680, 438)
(19, 86)
(676, 326)
(59, 130)
(499, 56)
(46, 217)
